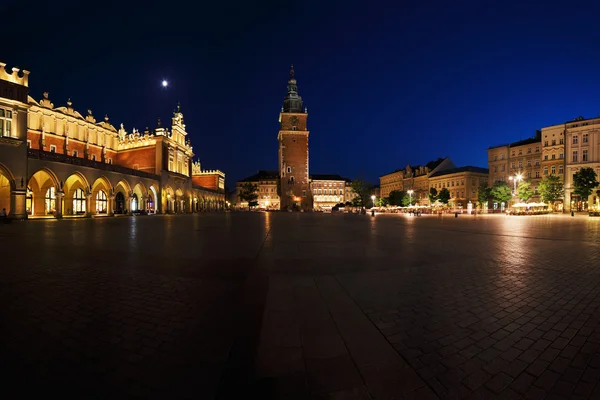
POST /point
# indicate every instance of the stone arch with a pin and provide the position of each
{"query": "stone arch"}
(101, 202)
(122, 191)
(7, 185)
(138, 201)
(168, 199)
(179, 201)
(43, 189)
(76, 191)
(152, 205)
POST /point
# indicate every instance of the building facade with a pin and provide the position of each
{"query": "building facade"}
(582, 150)
(517, 161)
(462, 183)
(415, 178)
(55, 162)
(266, 182)
(328, 190)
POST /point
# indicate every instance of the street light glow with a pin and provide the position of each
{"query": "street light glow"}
(165, 83)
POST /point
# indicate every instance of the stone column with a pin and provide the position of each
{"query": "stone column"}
(110, 206)
(88, 205)
(18, 203)
(58, 200)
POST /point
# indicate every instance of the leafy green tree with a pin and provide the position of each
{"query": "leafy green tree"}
(501, 192)
(433, 195)
(249, 193)
(483, 194)
(551, 189)
(406, 199)
(395, 197)
(525, 191)
(362, 189)
(444, 196)
(584, 182)
(382, 202)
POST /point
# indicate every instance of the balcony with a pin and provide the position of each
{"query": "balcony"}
(82, 162)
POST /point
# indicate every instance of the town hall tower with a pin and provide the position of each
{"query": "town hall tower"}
(293, 151)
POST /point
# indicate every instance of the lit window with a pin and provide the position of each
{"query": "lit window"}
(79, 202)
(545, 170)
(584, 155)
(50, 200)
(101, 202)
(553, 170)
(5, 122)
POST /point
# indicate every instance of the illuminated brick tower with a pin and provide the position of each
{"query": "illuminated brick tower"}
(293, 151)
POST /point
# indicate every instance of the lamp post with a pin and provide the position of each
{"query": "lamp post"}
(410, 192)
(516, 178)
(373, 200)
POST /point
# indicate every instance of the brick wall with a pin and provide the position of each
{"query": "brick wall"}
(78, 147)
(207, 181)
(144, 158)
(97, 151)
(56, 141)
(111, 154)
(34, 138)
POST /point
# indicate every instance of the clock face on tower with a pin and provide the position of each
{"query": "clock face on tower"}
(294, 121)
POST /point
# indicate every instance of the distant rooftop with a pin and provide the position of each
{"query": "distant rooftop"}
(536, 139)
(468, 168)
(327, 177)
(262, 175)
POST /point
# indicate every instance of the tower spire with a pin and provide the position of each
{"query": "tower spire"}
(292, 102)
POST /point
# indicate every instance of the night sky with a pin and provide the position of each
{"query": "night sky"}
(385, 83)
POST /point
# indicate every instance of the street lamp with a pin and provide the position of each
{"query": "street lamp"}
(373, 200)
(516, 178)
(410, 192)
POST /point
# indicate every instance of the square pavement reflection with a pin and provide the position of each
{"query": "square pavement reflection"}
(302, 306)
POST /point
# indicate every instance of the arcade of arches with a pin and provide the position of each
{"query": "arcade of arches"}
(46, 195)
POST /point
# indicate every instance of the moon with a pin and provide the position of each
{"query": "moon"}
(165, 83)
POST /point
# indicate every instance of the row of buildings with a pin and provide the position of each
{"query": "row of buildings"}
(56, 162)
(558, 149)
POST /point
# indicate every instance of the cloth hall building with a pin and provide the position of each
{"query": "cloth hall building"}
(54, 162)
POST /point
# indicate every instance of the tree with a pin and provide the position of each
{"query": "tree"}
(584, 182)
(433, 195)
(483, 194)
(444, 196)
(551, 189)
(395, 197)
(361, 188)
(406, 199)
(501, 192)
(249, 193)
(525, 191)
(382, 202)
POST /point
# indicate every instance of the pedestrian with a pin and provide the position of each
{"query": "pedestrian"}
(3, 214)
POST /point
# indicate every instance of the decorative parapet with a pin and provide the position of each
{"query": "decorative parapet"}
(14, 75)
(196, 169)
(134, 139)
(210, 172)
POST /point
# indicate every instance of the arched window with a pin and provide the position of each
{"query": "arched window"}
(134, 202)
(101, 202)
(119, 203)
(79, 202)
(50, 200)
(29, 201)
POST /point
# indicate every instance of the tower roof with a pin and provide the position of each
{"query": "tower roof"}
(292, 102)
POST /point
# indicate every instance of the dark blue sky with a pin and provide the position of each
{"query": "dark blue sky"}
(385, 83)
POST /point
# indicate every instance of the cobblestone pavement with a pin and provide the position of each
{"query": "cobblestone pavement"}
(286, 306)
